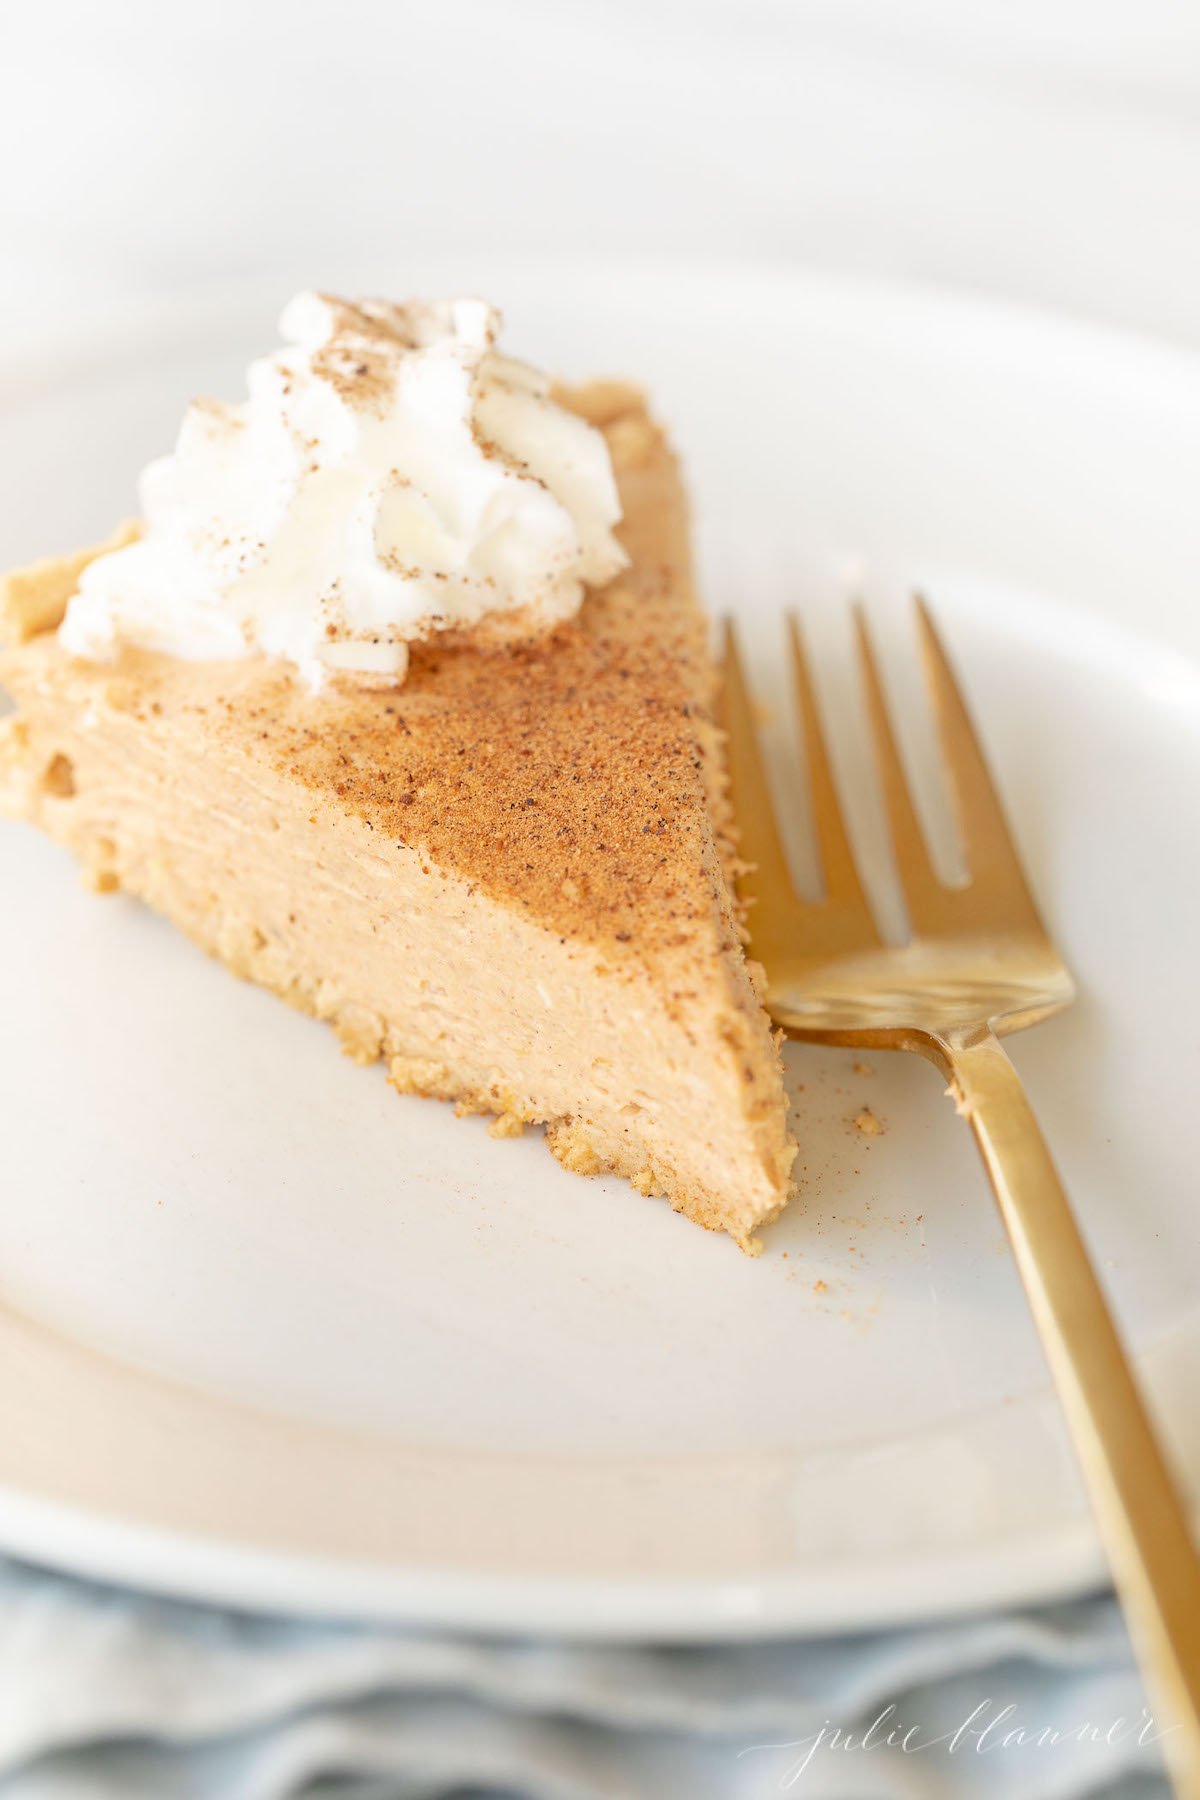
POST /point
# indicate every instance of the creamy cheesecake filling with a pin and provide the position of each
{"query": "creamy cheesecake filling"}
(512, 881)
(391, 476)
(461, 999)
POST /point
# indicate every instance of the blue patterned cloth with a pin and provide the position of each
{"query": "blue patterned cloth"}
(106, 1693)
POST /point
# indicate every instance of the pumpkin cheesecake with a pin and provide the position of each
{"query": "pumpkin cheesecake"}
(399, 701)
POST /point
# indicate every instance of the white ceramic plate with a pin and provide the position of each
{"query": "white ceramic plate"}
(274, 1335)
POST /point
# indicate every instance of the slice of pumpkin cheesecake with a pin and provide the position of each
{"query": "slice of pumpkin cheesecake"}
(488, 843)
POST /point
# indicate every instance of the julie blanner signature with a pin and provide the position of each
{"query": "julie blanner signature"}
(989, 1728)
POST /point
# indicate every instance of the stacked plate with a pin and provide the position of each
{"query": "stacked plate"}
(274, 1335)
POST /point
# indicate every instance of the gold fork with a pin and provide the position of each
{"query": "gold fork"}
(979, 964)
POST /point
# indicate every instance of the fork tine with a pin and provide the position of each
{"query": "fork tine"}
(843, 887)
(926, 896)
(992, 860)
(768, 881)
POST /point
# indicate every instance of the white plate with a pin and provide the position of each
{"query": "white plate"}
(274, 1335)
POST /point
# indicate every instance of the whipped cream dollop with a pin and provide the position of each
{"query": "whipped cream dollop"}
(391, 475)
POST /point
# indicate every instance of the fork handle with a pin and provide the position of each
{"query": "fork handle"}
(1139, 1507)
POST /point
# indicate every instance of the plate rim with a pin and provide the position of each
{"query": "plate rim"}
(111, 1552)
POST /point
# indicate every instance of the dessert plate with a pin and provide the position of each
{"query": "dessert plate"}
(270, 1334)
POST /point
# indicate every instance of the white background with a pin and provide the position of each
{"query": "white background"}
(1048, 150)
